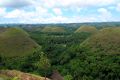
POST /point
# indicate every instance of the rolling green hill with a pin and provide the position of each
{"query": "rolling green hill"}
(84, 28)
(15, 42)
(53, 29)
(106, 41)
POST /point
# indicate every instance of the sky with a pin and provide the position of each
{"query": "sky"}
(59, 11)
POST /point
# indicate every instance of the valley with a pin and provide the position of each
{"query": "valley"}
(76, 51)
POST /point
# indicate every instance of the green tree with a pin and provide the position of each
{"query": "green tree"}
(43, 63)
(68, 77)
(15, 78)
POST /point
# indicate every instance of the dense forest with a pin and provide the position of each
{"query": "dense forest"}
(83, 51)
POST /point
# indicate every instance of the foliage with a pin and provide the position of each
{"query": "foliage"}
(53, 29)
(77, 56)
(43, 63)
(68, 77)
(15, 78)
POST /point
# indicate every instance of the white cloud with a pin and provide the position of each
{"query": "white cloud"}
(2, 12)
(103, 11)
(22, 15)
(47, 3)
(53, 19)
(19, 14)
(42, 10)
(118, 7)
(77, 3)
(105, 15)
(57, 11)
(78, 9)
(84, 19)
(61, 19)
(14, 14)
(15, 3)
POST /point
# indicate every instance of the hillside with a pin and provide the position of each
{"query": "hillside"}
(89, 29)
(17, 75)
(53, 29)
(105, 41)
(15, 42)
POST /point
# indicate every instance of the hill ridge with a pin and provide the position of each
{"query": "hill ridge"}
(14, 40)
(84, 28)
(106, 40)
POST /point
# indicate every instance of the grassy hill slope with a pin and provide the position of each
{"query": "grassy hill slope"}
(53, 29)
(15, 42)
(17, 75)
(105, 41)
(89, 29)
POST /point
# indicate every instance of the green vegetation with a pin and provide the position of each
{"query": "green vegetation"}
(53, 29)
(16, 42)
(105, 41)
(84, 28)
(68, 77)
(70, 55)
(43, 63)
